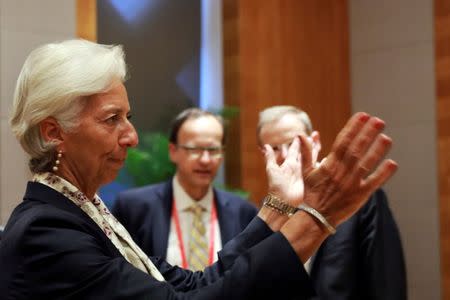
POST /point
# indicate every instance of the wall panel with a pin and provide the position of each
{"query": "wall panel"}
(24, 25)
(442, 52)
(87, 19)
(282, 52)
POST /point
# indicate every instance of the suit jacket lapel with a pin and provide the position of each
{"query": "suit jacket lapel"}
(161, 222)
(224, 213)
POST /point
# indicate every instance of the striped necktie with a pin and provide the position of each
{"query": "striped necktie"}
(198, 246)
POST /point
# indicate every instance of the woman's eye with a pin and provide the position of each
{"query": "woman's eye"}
(113, 119)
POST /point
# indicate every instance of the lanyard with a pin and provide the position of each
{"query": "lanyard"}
(212, 229)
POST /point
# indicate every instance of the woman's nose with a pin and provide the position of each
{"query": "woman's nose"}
(129, 138)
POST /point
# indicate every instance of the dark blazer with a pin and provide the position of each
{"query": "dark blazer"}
(364, 259)
(145, 212)
(52, 250)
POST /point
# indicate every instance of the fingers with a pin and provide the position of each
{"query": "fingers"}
(358, 149)
(381, 174)
(293, 159)
(293, 151)
(376, 152)
(306, 154)
(354, 156)
(342, 183)
(316, 146)
(270, 158)
(362, 141)
(348, 133)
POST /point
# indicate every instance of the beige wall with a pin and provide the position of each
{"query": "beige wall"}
(392, 73)
(24, 24)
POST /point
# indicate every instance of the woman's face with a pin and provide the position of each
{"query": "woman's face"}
(94, 152)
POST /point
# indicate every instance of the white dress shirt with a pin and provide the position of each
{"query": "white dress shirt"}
(183, 201)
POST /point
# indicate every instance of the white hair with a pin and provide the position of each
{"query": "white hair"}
(275, 113)
(55, 81)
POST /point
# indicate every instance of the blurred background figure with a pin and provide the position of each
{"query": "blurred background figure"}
(364, 259)
(185, 220)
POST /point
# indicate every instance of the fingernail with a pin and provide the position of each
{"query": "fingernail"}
(378, 123)
(364, 116)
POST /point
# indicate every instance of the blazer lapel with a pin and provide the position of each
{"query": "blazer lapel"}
(225, 214)
(161, 221)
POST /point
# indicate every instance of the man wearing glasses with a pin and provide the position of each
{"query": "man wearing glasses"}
(185, 220)
(364, 259)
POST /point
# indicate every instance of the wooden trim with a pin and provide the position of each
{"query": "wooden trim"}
(230, 15)
(442, 65)
(87, 19)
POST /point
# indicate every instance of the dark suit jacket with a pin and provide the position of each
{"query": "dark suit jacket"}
(364, 259)
(52, 250)
(145, 212)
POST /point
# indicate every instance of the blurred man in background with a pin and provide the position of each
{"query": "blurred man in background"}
(185, 220)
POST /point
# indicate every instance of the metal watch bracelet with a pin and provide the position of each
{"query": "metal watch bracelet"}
(280, 207)
(318, 216)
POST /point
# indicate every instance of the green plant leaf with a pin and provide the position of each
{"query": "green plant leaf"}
(150, 163)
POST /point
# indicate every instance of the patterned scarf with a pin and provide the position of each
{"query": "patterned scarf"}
(100, 214)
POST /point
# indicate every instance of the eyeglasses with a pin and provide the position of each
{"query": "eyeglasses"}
(197, 152)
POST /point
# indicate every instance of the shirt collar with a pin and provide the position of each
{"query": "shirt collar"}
(184, 201)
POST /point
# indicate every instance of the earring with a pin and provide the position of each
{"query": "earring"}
(57, 162)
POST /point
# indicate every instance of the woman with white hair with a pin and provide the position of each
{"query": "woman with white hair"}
(71, 115)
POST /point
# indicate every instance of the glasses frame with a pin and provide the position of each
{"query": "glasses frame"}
(197, 152)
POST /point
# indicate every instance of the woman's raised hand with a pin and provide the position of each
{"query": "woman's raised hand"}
(352, 171)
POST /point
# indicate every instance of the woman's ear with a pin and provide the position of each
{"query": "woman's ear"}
(51, 131)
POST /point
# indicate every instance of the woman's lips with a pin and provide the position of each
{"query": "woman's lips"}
(118, 160)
